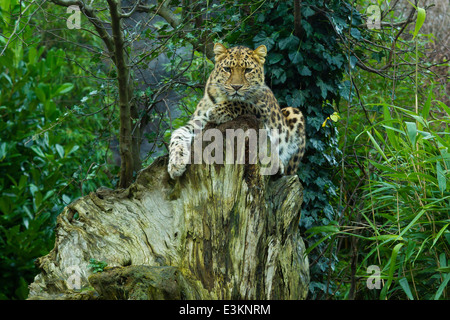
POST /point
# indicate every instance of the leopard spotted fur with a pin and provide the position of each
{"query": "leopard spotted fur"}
(235, 87)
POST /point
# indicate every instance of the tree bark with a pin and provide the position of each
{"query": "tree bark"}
(297, 19)
(129, 143)
(123, 78)
(218, 232)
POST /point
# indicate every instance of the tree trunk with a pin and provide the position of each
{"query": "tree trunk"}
(297, 18)
(218, 232)
(123, 79)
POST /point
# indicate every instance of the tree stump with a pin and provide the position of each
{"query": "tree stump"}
(217, 232)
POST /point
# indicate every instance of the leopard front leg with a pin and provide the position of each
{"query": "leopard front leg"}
(224, 112)
(180, 145)
(180, 142)
(179, 150)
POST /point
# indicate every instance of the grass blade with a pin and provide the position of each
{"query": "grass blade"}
(405, 286)
(391, 271)
(390, 133)
(442, 286)
(376, 145)
(439, 234)
(427, 106)
(444, 106)
(411, 128)
(421, 14)
(442, 181)
(417, 217)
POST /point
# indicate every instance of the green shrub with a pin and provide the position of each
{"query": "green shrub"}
(409, 212)
(44, 144)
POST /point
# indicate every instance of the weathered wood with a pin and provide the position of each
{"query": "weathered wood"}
(218, 232)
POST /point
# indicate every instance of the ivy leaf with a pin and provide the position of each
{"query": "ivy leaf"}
(297, 99)
(324, 88)
(295, 57)
(289, 42)
(260, 37)
(328, 210)
(337, 60)
(305, 71)
(263, 38)
(274, 58)
(307, 28)
(318, 48)
(217, 28)
(353, 61)
(378, 56)
(344, 89)
(307, 12)
(355, 33)
(277, 72)
(315, 122)
(317, 144)
(261, 18)
(339, 24)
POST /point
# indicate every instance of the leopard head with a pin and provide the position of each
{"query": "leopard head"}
(238, 73)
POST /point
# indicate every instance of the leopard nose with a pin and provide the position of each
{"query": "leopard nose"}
(236, 87)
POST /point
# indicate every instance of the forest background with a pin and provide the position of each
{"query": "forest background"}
(371, 78)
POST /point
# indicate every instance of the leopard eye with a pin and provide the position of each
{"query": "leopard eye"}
(248, 70)
(227, 69)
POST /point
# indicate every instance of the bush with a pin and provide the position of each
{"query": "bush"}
(43, 150)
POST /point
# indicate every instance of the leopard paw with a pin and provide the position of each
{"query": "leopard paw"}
(176, 169)
(177, 163)
(218, 115)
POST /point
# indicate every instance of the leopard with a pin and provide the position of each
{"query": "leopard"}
(236, 86)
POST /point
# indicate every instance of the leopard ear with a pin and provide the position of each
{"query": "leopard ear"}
(260, 53)
(219, 49)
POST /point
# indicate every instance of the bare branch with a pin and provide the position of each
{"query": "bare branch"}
(391, 52)
(67, 3)
(204, 44)
(16, 25)
(96, 22)
(128, 14)
(164, 12)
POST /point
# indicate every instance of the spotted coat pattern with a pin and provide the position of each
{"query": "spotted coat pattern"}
(236, 87)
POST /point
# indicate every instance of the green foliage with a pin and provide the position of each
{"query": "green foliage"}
(43, 150)
(411, 198)
(97, 266)
(387, 205)
(394, 182)
(305, 72)
(409, 208)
